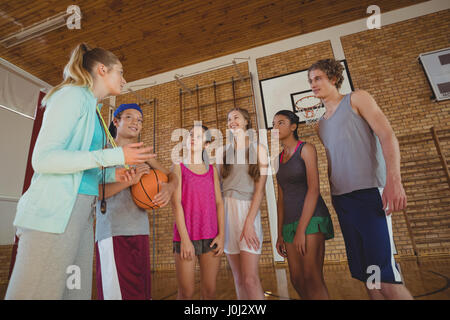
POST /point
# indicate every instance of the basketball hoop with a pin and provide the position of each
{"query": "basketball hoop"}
(310, 109)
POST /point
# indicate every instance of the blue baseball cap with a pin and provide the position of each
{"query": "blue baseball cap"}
(126, 106)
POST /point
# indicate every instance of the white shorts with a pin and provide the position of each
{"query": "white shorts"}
(235, 214)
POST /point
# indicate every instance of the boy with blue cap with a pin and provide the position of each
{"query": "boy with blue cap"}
(122, 232)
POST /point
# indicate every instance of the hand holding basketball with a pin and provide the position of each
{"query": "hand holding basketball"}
(148, 186)
(123, 175)
(138, 172)
(136, 153)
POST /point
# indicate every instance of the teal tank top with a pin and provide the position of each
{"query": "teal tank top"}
(90, 180)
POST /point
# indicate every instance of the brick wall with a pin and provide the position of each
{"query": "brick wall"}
(384, 62)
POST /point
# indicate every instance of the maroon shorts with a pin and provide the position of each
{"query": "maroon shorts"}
(123, 268)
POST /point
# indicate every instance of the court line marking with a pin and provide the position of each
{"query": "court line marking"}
(447, 285)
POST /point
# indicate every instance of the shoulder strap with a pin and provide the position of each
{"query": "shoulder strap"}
(299, 145)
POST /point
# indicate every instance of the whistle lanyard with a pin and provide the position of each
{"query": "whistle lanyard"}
(110, 138)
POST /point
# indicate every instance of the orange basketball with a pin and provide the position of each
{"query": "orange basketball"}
(147, 188)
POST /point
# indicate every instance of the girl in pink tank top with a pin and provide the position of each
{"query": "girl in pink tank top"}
(199, 219)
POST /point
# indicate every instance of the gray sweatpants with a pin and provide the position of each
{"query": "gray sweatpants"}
(55, 266)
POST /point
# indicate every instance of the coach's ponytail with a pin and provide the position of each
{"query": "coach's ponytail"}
(79, 69)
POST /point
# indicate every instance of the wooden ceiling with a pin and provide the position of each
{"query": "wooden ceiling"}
(152, 37)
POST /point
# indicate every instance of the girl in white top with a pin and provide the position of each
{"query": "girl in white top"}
(243, 186)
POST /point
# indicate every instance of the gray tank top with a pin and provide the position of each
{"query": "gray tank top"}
(353, 150)
(239, 184)
(291, 177)
(122, 218)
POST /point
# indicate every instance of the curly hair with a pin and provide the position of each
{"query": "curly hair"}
(332, 68)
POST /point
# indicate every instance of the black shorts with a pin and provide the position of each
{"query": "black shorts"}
(200, 246)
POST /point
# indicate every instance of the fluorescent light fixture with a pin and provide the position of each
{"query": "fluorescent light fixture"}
(35, 30)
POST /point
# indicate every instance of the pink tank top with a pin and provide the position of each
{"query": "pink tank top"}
(198, 199)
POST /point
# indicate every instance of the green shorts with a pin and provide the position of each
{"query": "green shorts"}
(316, 224)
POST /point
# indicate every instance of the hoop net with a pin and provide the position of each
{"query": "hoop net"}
(310, 109)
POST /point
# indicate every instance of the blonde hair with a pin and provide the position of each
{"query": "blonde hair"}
(78, 71)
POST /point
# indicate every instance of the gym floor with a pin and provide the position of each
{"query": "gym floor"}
(426, 279)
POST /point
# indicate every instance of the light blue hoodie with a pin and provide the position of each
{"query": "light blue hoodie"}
(60, 156)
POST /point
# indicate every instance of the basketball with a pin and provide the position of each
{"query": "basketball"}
(147, 188)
